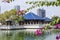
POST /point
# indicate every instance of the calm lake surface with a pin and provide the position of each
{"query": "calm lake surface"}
(21, 35)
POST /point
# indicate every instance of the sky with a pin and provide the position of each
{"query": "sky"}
(50, 11)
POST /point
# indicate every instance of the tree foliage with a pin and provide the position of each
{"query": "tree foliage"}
(7, 14)
(12, 15)
(55, 20)
(7, 1)
(43, 3)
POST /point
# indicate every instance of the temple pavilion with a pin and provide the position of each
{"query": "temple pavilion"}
(31, 20)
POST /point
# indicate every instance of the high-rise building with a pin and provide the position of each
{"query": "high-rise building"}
(41, 12)
(17, 7)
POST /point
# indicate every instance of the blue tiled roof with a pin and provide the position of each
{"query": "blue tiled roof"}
(47, 19)
(32, 16)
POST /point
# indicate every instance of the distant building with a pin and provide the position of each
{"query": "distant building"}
(41, 13)
(17, 7)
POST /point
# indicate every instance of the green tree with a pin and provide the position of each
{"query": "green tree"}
(55, 20)
(7, 14)
(12, 15)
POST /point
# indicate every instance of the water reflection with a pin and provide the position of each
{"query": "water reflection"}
(23, 35)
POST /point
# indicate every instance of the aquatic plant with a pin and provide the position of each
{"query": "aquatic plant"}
(38, 32)
(58, 37)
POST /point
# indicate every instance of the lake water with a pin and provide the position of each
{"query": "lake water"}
(21, 35)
